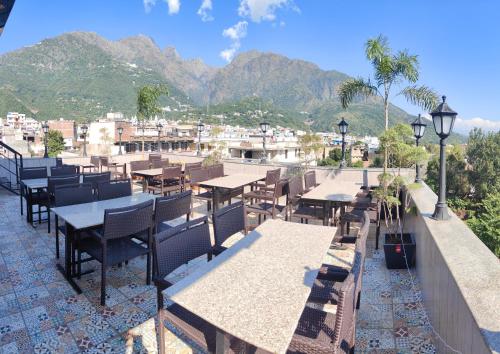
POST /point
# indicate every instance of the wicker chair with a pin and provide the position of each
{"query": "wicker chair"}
(113, 167)
(114, 189)
(268, 204)
(52, 182)
(95, 178)
(70, 194)
(159, 163)
(139, 165)
(227, 222)
(215, 171)
(39, 195)
(272, 177)
(93, 166)
(113, 244)
(310, 181)
(65, 170)
(170, 181)
(188, 167)
(197, 176)
(304, 211)
(320, 332)
(154, 157)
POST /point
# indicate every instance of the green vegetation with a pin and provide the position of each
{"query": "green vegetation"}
(147, 101)
(334, 157)
(310, 144)
(473, 184)
(55, 143)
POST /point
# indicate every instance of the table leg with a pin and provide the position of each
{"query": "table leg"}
(342, 224)
(29, 207)
(220, 342)
(326, 212)
(215, 199)
(68, 253)
(21, 188)
(144, 184)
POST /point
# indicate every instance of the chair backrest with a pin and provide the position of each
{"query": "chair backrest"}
(104, 161)
(70, 194)
(139, 165)
(272, 176)
(54, 181)
(191, 166)
(33, 172)
(95, 160)
(365, 227)
(59, 162)
(159, 163)
(280, 188)
(198, 175)
(344, 321)
(114, 189)
(96, 178)
(65, 170)
(153, 157)
(216, 171)
(295, 188)
(172, 207)
(127, 221)
(172, 172)
(310, 180)
(181, 244)
(228, 221)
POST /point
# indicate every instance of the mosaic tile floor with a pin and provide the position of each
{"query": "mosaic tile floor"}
(40, 312)
(391, 318)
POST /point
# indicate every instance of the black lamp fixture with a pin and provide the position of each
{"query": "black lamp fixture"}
(443, 118)
(84, 128)
(200, 127)
(343, 130)
(159, 127)
(418, 126)
(264, 127)
(45, 129)
(120, 132)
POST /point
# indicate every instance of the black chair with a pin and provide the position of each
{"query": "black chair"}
(114, 189)
(70, 194)
(64, 170)
(52, 182)
(32, 173)
(216, 171)
(173, 248)
(228, 221)
(96, 178)
(113, 244)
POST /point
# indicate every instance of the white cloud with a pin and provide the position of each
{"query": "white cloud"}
(204, 11)
(235, 33)
(263, 10)
(148, 4)
(173, 6)
(466, 125)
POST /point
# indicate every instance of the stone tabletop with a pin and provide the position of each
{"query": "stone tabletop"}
(257, 289)
(82, 216)
(35, 183)
(152, 172)
(233, 181)
(334, 190)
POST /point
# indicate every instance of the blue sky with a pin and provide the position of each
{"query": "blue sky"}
(458, 42)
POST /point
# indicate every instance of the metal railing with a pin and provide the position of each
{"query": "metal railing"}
(11, 163)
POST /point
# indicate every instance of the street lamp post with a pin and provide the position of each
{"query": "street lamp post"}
(142, 127)
(264, 127)
(45, 128)
(120, 132)
(159, 127)
(85, 129)
(200, 127)
(418, 131)
(343, 130)
(443, 118)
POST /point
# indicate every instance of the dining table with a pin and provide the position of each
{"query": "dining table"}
(86, 216)
(257, 289)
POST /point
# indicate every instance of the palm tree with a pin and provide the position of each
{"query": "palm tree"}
(391, 70)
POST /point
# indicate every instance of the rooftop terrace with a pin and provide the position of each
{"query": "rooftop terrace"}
(453, 290)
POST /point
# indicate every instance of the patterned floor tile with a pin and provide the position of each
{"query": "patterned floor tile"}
(11, 327)
(113, 296)
(60, 289)
(135, 288)
(8, 305)
(409, 314)
(32, 297)
(147, 302)
(55, 340)
(124, 316)
(375, 316)
(75, 307)
(91, 330)
(41, 318)
(374, 339)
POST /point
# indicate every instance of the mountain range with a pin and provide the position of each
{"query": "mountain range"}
(81, 75)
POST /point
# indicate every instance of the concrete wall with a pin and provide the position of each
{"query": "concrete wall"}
(459, 276)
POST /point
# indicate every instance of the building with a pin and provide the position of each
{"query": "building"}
(67, 128)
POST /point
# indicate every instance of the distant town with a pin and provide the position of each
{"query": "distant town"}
(115, 131)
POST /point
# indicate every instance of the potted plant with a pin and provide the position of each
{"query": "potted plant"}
(393, 196)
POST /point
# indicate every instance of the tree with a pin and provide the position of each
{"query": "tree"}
(106, 139)
(334, 157)
(311, 144)
(486, 223)
(390, 70)
(483, 155)
(55, 143)
(147, 103)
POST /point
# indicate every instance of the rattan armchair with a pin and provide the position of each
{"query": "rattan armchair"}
(114, 189)
(52, 182)
(228, 221)
(35, 198)
(95, 178)
(268, 204)
(170, 181)
(65, 170)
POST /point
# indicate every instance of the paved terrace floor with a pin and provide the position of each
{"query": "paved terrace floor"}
(40, 312)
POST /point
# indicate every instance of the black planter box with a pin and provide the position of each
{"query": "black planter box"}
(395, 251)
